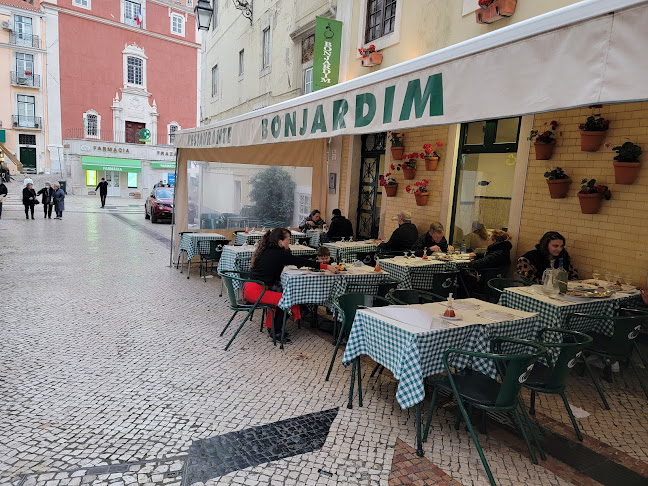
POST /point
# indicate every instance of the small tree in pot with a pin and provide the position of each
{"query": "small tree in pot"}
(626, 163)
(558, 182)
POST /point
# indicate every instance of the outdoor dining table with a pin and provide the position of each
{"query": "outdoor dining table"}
(417, 273)
(251, 237)
(348, 250)
(410, 342)
(194, 243)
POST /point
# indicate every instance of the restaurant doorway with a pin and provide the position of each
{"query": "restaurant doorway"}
(372, 164)
(484, 181)
(112, 178)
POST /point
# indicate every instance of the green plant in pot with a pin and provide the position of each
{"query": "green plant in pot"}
(593, 131)
(626, 163)
(591, 194)
(397, 145)
(558, 182)
(544, 141)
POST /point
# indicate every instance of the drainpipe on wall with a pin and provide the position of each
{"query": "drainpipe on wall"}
(332, 9)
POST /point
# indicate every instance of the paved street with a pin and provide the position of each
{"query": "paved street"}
(113, 372)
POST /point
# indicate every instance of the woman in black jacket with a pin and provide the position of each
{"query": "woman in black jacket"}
(47, 199)
(547, 254)
(498, 252)
(29, 200)
(268, 261)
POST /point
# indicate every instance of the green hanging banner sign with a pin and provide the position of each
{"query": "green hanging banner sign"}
(326, 55)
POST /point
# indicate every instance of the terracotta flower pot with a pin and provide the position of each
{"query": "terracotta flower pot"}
(626, 172)
(431, 163)
(372, 59)
(590, 203)
(408, 172)
(391, 189)
(397, 153)
(591, 141)
(421, 199)
(495, 11)
(544, 151)
(558, 188)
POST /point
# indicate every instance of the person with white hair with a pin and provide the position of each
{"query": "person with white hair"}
(403, 237)
(28, 180)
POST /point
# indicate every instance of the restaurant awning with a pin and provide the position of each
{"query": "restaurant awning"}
(164, 165)
(587, 53)
(110, 163)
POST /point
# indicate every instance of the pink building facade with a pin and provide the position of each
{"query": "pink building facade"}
(124, 74)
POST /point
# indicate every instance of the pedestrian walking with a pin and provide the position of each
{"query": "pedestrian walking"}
(3, 195)
(29, 200)
(159, 184)
(59, 204)
(47, 198)
(103, 191)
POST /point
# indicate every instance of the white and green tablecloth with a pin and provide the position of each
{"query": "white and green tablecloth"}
(348, 250)
(314, 237)
(415, 273)
(411, 352)
(196, 243)
(252, 237)
(553, 312)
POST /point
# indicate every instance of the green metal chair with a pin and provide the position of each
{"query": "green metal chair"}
(214, 255)
(238, 304)
(497, 285)
(407, 297)
(346, 305)
(550, 377)
(479, 277)
(443, 284)
(485, 393)
(618, 347)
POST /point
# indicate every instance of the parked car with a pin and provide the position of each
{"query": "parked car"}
(159, 205)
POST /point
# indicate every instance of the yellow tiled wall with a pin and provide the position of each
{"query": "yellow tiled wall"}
(614, 240)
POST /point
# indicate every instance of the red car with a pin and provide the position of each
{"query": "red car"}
(159, 205)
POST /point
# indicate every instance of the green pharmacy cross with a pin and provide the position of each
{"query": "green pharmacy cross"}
(144, 135)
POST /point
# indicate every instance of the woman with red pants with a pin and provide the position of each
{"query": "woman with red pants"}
(268, 261)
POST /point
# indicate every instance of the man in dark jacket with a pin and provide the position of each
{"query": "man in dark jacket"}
(433, 240)
(404, 236)
(340, 227)
(3, 195)
(47, 198)
(103, 191)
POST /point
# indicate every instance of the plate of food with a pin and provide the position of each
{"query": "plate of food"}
(590, 294)
(619, 287)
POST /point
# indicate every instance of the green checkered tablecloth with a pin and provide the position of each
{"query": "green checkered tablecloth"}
(253, 237)
(412, 354)
(553, 313)
(415, 273)
(196, 243)
(348, 250)
(314, 238)
(323, 287)
(239, 258)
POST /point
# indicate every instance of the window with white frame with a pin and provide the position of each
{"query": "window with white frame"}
(379, 23)
(83, 4)
(173, 128)
(214, 90)
(241, 62)
(134, 65)
(92, 124)
(308, 80)
(304, 206)
(265, 48)
(177, 24)
(134, 73)
(133, 14)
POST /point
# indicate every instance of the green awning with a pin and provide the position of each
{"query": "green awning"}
(170, 164)
(110, 163)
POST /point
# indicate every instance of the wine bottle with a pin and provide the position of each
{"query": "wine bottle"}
(561, 276)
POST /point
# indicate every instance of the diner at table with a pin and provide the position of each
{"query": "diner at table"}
(340, 227)
(312, 221)
(548, 253)
(432, 241)
(250, 237)
(497, 254)
(403, 237)
(478, 236)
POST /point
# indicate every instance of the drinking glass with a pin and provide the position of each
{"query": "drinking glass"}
(342, 239)
(596, 274)
(405, 254)
(350, 238)
(550, 283)
(608, 276)
(627, 279)
(616, 278)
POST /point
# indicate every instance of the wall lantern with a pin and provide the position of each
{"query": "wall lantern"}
(203, 13)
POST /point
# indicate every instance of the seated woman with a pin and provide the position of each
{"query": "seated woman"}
(478, 236)
(268, 261)
(547, 254)
(312, 221)
(498, 252)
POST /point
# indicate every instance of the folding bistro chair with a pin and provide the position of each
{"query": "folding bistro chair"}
(481, 277)
(497, 285)
(367, 257)
(214, 256)
(443, 284)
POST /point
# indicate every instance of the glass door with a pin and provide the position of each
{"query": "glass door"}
(23, 30)
(369, 195)
(25, 69)
(112, 178)
(26, 111)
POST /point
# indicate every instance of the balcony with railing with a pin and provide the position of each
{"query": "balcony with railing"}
(24, 121)
(91, 133)
(25, 40)
(25, 79)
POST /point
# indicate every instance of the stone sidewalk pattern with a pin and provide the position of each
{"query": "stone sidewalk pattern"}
(110, 357)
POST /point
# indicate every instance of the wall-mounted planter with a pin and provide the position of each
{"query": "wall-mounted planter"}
(408, 173)
(431, 163)
(397, 153)
(544, 151)
(626, 172)
(372, 59)
(590, 203)
(421, 199)
(495, 11)
(558, 188)
(391, 189)
(591, 141)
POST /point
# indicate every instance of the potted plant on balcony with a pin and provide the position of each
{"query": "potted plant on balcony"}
(389, 183)
(397, 145)
(593, 131)
(369, 56)
(490, 11)
(590, 196)
(430, 155)
(544, 142)
(558, 182)
(626, 163)
(408, 167)
(28, 73)
(420, 191)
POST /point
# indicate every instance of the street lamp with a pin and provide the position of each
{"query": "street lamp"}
(203, 13)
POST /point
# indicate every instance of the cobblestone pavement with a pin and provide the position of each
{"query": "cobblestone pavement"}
(112, 366)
